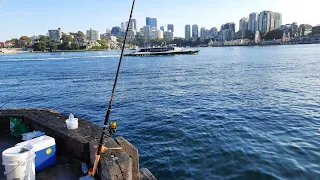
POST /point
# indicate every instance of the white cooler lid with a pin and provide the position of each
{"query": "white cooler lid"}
(39, 143)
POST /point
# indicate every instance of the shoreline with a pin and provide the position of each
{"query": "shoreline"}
(20, 51)
(15, 51)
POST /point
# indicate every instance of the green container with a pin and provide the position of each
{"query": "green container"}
(17, 128)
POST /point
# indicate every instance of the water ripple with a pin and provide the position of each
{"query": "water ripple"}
(250, 113)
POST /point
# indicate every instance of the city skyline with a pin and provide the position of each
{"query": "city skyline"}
(22, 20)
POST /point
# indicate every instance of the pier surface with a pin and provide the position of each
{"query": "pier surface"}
(114, 164)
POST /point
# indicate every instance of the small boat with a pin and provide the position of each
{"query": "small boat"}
(160, 51)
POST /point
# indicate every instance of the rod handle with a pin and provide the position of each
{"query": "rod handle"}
(95, 166)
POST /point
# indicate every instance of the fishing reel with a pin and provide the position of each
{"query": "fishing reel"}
(112, 128)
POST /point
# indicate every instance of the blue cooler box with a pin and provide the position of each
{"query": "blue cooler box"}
(45, 150)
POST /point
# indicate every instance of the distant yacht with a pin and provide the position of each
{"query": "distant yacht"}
(160, 51)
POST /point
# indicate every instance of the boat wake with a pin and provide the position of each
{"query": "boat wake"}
(59, 58)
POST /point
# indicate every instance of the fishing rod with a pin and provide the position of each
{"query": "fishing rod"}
(106, 120)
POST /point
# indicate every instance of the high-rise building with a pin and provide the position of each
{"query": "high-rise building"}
(133, 24)
(147, 30)
(243, 24)
(152, 22)
(93, 35)
(141, 32)
(159, 34)
(204, 33)
(124, 26)
(187, 32)
(131, 34)
(230, 25)
(107, 34)
(265, 21)
(171, 27)
(115, 31)
(195, 31)
(268, 21)
(228, 31)
(278, 20)
(55, 35)
(162, 28)
(169, 35)
(148, 21)
(228, 35)
(253, 22)
(213, 32)
(243, 27)
(272, 21)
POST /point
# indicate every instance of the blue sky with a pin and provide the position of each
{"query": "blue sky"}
(35, 17)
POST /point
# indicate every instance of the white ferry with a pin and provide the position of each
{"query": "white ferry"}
(160, 51)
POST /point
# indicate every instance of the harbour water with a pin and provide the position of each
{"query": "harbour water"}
(240, 113)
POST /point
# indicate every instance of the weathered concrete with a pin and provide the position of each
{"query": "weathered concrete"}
(114, 164)
(53, 124)
(146, 174)
(133, 153)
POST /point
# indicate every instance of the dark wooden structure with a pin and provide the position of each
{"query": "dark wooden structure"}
(120, 164)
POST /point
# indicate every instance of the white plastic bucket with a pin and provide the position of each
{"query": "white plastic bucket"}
(19, 165)
(73, 124)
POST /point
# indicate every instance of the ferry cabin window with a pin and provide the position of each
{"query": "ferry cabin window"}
(156, 50)
(144, 50)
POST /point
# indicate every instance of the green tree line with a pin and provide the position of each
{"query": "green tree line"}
(44, 43)
(23, 41)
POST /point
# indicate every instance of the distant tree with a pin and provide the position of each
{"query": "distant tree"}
(75, 46)
(80, 34)
(53, 46)
(103, 44)
(120, 39)
(96, 47)
(65, 46)
(275, 34)
(14, 40)
(197, 42)
(25, 38)
(66, 38)
(36, 47)
(41, 46)
(43, 38)
(24, 41)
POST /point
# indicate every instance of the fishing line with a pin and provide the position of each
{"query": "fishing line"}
(122, 88)
(6, 103)
(97, 159)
